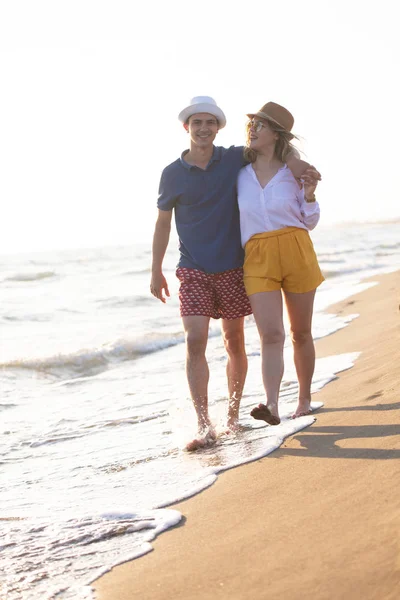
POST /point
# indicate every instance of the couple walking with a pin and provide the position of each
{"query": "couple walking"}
(242, 215)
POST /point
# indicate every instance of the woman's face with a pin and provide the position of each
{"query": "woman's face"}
(261, 136)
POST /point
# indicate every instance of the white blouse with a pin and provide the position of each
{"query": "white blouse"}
(279, 204)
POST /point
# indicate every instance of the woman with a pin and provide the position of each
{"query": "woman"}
(276, 213)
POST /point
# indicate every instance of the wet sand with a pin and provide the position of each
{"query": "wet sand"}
(320, 517)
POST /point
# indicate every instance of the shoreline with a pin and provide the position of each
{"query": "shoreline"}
(323, 521)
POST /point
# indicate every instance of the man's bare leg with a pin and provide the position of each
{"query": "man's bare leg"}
(196, 334)
(236, 368)
(267, 310)
(300, 311)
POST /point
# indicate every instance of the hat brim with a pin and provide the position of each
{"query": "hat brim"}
(211, 109)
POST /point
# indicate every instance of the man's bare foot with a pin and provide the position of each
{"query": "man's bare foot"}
(232, 421)
(264, 413)
(205, 439)
(303, 409)
(232, 424)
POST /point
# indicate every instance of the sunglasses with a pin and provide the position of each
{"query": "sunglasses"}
(256, 125)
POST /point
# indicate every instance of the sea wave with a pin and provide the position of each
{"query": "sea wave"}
(125, 301)
(331, 259)
(36, 276)
(139, 271)
(90, 362)
(6, 406)
(394, 246)
(327, 273)
(351, 248)
(38, 318)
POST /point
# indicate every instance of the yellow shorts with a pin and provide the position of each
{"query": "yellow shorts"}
(282, 259)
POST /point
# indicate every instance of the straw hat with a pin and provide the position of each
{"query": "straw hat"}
(203, 104)
(275, 112)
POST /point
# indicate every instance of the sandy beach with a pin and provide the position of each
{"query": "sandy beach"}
(336, 483)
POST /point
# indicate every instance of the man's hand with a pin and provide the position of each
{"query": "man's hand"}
(310, 176)
(302, 170)
(310, 180)
(157, 285)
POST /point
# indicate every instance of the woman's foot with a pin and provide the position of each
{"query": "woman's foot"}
(269, 414)
(303, 409)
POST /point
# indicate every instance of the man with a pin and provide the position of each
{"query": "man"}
(201, 187)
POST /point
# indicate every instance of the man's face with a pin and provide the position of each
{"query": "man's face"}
(202, 128)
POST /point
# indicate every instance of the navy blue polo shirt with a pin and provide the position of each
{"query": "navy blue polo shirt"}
(206, 210)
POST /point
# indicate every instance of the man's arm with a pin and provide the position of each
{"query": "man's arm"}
(160, 243)
(302, 169)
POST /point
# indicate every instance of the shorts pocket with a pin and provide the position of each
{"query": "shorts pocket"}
(305, 249)
(252, 253)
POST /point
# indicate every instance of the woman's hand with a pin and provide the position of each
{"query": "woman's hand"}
(310, 179)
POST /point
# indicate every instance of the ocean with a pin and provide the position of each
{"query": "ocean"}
(95, 410)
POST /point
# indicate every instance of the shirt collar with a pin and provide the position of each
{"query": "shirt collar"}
(216, 156)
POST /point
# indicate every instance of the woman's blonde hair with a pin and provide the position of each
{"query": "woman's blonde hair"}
(283, 146)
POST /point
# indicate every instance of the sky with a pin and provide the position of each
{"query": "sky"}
(91, 90)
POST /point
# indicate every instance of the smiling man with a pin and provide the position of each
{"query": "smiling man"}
(200, 187)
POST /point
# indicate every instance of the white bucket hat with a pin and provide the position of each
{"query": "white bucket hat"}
(203, 104)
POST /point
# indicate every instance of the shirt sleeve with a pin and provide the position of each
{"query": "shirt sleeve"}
(166, 199)
(310, 211)
(239, 155)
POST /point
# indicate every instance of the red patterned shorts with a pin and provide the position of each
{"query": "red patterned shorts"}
(216, 295)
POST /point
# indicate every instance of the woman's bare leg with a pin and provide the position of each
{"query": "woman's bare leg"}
(267, 310)
(300, 310)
